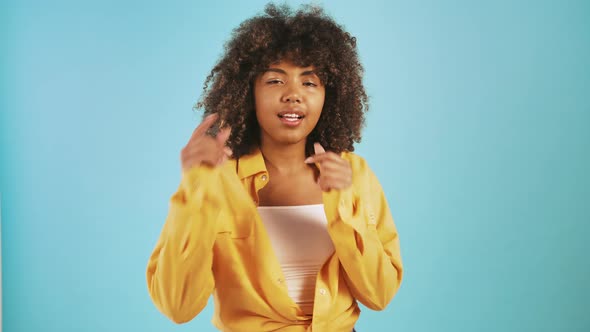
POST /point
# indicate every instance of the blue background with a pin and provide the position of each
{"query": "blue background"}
(478, 131)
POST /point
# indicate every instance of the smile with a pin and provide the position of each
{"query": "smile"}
(291, 119)
(291, 116)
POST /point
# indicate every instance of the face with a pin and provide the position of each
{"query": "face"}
(289, 101)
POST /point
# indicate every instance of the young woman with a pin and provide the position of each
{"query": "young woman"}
(275, 216)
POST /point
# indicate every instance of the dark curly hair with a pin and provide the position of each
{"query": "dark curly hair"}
(307, 37)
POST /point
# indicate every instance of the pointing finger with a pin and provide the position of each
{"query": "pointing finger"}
(205, 125)
(223, 135)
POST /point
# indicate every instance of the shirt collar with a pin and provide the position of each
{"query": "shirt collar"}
(251, 164)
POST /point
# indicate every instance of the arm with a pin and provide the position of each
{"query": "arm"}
(365, 239)
(179, 275)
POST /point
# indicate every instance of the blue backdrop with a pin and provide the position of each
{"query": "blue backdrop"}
(478, 131)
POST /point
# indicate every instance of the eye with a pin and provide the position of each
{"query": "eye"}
(274, 81)
(312, 84)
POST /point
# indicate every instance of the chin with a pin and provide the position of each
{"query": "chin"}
(290, 139)
(287, 137)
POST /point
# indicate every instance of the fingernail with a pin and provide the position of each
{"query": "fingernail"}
(308, 160)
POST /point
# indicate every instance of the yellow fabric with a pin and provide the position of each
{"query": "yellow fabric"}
(213, 242)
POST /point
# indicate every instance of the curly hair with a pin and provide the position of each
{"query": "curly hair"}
(307, 37)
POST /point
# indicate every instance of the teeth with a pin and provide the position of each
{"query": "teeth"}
(289, 115)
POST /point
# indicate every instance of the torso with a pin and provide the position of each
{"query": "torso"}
(289, 190)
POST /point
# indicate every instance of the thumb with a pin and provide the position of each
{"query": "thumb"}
(318, 148)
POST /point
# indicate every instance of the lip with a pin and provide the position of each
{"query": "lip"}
(291, 123)
(297, 111)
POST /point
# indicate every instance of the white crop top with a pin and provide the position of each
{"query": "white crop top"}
(300, 240)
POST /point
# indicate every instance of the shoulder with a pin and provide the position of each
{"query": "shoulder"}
(364, 180)
(358, 163)
(362, 172)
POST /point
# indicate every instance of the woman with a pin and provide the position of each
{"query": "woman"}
(275, 216)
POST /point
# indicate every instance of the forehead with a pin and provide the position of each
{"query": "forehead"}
(287, 66)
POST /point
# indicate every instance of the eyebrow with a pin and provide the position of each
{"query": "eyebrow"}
(280, 71)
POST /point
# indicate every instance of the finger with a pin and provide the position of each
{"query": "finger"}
(223, 135)
(213, 160)
(324, 185)
(338, 174)
(205, 151)
(202, 145)
(228, 151)
(193, 162)
(318, 158)
(335, 173)
(220, 160)
(318, 148)
(333, 164)
(205, 125)
(328, 184)
(340, 179)
(201, 158)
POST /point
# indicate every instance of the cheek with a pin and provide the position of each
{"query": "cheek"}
(259, 105)
(262, 111)
(318, 103)
(262, 101)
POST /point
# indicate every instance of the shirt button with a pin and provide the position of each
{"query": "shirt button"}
(322, 291)
(264, 177)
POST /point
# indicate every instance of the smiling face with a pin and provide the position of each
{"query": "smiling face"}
(289, 100)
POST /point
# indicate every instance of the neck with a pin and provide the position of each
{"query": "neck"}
(285, 159)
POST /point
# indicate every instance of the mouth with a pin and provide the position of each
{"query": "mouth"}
(291, 118)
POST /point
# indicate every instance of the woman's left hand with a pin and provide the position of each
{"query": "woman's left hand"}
(335, 172)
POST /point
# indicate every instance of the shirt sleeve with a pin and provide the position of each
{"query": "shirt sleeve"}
(179, 272)
(365, 238)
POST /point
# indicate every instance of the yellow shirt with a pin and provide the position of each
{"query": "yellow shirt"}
(214, 242)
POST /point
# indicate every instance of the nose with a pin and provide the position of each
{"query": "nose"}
(291, 95)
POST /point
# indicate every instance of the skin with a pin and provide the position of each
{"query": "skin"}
(286, 87)
(293, 179)
(202, 149)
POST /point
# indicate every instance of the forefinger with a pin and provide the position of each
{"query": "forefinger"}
(205, 125)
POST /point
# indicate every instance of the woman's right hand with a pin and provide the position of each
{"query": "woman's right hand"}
(204, 149)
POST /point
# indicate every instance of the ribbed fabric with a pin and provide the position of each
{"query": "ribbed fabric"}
(300, 240)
